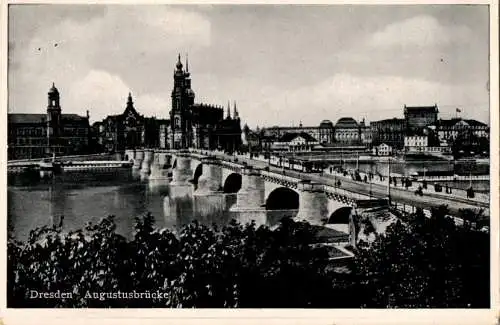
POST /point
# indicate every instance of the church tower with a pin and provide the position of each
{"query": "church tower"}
(182, 100)
(53, 116)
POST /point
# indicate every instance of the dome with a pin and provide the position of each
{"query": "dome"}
(346, 122)
(326, 124)
(53, 89)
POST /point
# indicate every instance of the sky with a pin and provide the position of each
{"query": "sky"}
(283, 65)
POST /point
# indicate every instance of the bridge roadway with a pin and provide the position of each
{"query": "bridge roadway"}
(398, 195)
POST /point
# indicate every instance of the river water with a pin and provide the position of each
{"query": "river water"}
(83, 197)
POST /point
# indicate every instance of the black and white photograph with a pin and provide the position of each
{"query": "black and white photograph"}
(249, 156)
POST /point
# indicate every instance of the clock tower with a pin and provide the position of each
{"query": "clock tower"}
(182, 100)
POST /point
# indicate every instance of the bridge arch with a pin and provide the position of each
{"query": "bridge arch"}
(282, 198)
(232, 183)
(340, 215)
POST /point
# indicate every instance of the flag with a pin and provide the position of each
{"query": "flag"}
(458, 110)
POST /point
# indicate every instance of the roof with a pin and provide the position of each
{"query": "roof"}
(73, 117)
(207, 114)
(454, 121)
(22, 118)
(287, 137)
(346, 122)
(475, 123)
(326, 123)
(428, 109)
(388, 120)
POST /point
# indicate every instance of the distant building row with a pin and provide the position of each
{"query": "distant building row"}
(419, 131)
(346, 131)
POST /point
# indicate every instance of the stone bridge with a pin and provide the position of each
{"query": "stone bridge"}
(257, 194)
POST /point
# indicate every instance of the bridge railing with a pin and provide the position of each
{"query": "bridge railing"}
(97, 155)
(346, 193)
(455, 178)
(279, 176)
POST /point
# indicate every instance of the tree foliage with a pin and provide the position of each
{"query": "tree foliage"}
(236, 266)
(417, 263)
(425, 263)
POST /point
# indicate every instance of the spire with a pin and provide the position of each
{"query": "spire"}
(228, 110)
(235, 111)
(187, 63)
(179, 63)
(130, 102)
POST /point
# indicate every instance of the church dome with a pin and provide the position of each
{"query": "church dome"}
(346, 122)
(326, 124)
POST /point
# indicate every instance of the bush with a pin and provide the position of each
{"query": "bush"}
(425, 263)
(421, 263)
(236, 266)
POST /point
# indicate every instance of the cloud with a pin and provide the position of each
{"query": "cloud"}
(420, 31)
(421, 47)
(106, 94)
(99, 92)
(155, 105)
(275, 78)
(98, 59)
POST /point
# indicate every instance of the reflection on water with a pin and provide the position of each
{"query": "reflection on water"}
(83, 197)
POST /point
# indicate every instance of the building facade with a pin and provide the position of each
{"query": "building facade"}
(199, 126)
(365, 133)
(163, 127)
(277, 132)
(42, 135)
(347, 131)
(389, 131)
(464, 137)
(295, 142)
(128, 130)
(416, 141)
(382, 150)
(418, 117)
(450, 129)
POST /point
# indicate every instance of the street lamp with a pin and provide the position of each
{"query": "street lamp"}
(389, 182)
